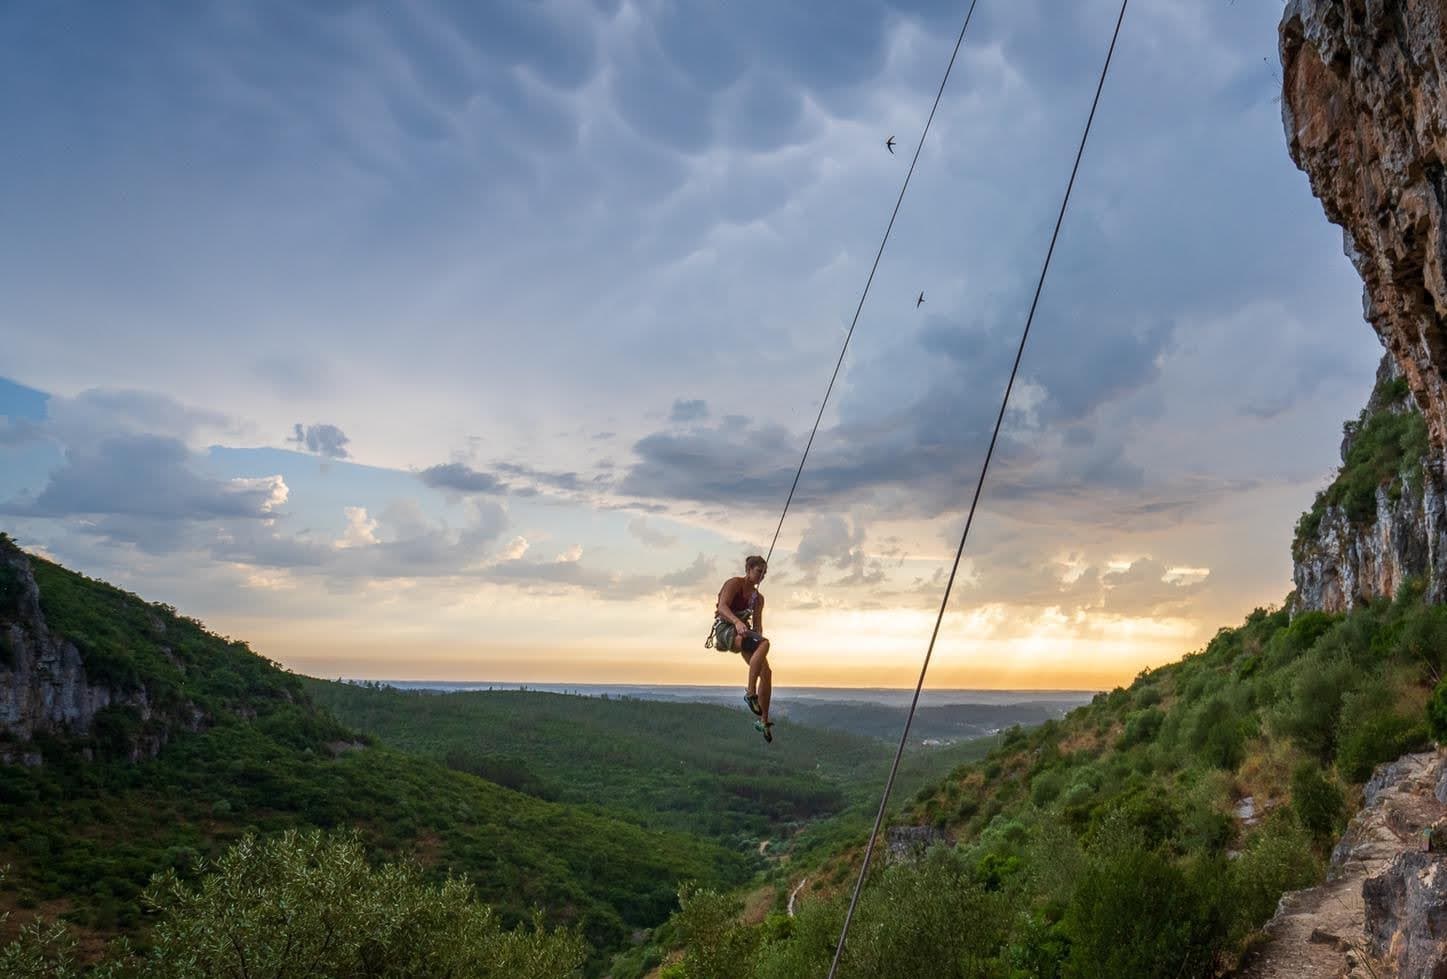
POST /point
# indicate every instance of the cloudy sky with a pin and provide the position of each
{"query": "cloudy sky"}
(480, 341)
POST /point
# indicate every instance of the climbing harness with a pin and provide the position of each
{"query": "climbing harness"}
(721, 633)
(979, 484)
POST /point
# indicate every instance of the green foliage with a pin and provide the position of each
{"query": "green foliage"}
(1437, 713)
(664, 765)
(717, 945)
(1277, 859)
(1387, 450)
(1306, 629)
(41, 950)
(1138, 914)
(1046, 786)
(908, 924)
(1216, 734)
(1317, 802)
(1142, 726)
(1374, 730)
(185, 672)
(268, 759)
(117, 728)
(305, 905)
(1309, 713)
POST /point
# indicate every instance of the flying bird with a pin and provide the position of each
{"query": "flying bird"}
(919, 300)
(889, 145)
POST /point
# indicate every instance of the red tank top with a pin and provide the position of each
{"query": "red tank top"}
(743, 603)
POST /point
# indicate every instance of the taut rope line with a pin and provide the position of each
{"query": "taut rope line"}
(979, 486)
(868, 282)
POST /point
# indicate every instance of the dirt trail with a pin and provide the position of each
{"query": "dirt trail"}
(795, 893)
(1320, 932)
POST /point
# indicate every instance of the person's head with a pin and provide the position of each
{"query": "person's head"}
(755, 568)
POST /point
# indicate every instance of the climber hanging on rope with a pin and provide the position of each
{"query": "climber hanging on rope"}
(738, 624)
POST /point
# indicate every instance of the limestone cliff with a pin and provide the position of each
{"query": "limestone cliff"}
(1383, 518)
(44, 686)
(1365, 114)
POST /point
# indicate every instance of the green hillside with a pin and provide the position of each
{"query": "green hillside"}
(693, 767)
(83, 837)
(1112, 842)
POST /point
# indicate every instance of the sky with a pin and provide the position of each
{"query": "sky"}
(442, 340)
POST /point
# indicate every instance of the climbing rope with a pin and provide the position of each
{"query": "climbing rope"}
(868, 282)
(979, 486)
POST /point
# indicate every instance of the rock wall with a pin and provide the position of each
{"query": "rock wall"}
(43, 684)
(1365, 115)
(1366, 119)
(1379, 911)
(1342, 563)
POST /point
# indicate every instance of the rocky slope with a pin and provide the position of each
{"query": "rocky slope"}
(44, 688)
(88, 669)
(1365, 115)
(1383, 518)
(1381, 910)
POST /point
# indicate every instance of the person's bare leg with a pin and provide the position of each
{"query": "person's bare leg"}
(766, 689)
(758, 665)
(752, 687)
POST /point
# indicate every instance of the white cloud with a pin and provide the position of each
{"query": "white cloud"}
(361, 529)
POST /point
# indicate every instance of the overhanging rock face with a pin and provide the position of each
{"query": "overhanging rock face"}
(1366, 119)
(1365, 113)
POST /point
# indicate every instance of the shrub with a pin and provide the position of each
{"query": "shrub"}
(1045, 787)
(305, 904)
(717, 946)
(1309, 713)
(1317, 802)
(1277, 859)
(1374, 731)
(1137, 914)
(1216, 735)
(1142, 727)
(1437, 713)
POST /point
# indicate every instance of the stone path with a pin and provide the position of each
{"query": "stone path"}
(1320, 932)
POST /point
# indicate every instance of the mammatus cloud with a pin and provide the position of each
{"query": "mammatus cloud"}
(598, 583)
(640, 528)
(324, 440)
(688, 411)
(461, 478)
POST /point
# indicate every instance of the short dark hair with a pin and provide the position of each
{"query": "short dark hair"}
(754, 561)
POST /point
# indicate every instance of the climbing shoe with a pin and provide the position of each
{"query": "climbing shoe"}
(752, 699)
(766, 728)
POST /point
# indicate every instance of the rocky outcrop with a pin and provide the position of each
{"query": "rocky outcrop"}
(905, 843)
(1361, 919)
(1365, 114)
(44, 688)
(1407, 915)
(1342, 560)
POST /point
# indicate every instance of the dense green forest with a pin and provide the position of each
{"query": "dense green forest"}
(594, 811)
(698, 768)
(82, 838)
(1105, 844)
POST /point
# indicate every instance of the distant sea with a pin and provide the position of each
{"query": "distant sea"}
(887, 696)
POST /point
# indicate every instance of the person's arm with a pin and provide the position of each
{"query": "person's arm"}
(725, 597)
(759, 614)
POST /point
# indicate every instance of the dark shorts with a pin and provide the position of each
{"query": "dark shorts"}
(723, 638)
